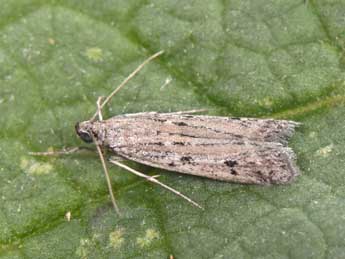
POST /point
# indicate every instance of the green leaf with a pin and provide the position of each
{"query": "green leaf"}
(281, 59)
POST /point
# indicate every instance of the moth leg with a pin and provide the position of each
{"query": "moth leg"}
(187, 112)
(65, 151)
(154, 180)
(125, 81)
(107, 177)
(100, 153)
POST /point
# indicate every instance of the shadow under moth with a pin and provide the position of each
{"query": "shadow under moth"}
(242, 150)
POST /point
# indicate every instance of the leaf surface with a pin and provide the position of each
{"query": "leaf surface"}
(281, 59)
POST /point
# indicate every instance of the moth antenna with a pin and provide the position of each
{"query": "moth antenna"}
(99, 108)
(154, 180)
(65, 151)
(125, 81)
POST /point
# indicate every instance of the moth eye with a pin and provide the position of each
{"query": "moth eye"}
(83, 134)
(86, 136)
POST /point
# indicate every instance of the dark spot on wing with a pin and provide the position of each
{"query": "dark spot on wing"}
(172, 164)
(231, 163)
(186, 159)
(233, 172)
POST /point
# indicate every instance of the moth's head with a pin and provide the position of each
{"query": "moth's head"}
(84, 131)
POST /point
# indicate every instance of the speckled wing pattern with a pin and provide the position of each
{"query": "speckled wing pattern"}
(244, 150)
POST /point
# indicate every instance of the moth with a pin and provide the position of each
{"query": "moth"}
(242, 150)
